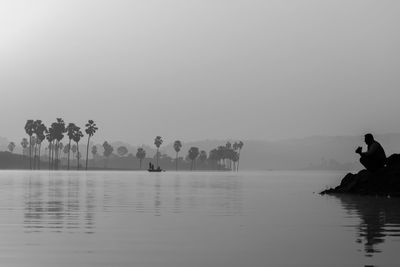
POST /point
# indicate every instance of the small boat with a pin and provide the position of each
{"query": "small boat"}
(155, 170)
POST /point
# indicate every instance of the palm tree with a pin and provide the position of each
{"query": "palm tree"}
(193, 153)
(73, 149)
(24, 144)
(70, 132)
(11, 146)
(140, 154)
(108, 149)
(33, 146)
(240, 145)
(213, 157)
(228, 148)
(59, 130)
(158, 141)
(66, 150)
(29, 129)
(203, 157)
(90, 130)
(77, 137)
(235, 158)
(60, 150)
(122, 151)
(40, 131)
(50, 139)
(177, 147)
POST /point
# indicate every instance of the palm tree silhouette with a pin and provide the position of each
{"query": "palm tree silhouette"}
(29, 129)
(240, 145)
(59, 130)
(158, 141)
(70, 132)
(66, 150)
(24, 144)
(108, 149)
(40, 131)
(50, 139)
(33, 147)
(203, 157)
(140, 154)
(193, 153)
(77, 137)
(177, 147)
(73, 149)
(213, 157)
(122, 151)
(11, 147)
(90, 130)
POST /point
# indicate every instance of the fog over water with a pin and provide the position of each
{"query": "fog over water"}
(201, 69)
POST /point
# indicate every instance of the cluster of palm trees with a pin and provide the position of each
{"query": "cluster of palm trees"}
(222, 157)
(38, 132)
(228, 155)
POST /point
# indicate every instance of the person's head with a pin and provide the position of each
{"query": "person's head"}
(368, 138)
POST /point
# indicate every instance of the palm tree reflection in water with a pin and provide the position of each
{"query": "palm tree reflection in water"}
(380, 219)
(59, 205)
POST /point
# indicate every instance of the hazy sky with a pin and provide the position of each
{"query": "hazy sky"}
(196, 69)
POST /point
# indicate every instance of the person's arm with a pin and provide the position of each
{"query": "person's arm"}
(371, 150)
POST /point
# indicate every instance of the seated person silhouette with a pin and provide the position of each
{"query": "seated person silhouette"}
(374, 158)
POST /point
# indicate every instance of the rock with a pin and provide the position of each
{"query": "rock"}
(385, 182)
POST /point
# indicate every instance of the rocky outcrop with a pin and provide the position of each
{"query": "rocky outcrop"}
(385, 182)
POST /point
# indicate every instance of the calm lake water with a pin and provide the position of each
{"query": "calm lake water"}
(191, 219)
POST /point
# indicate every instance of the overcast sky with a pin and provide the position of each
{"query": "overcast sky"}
(198, 69)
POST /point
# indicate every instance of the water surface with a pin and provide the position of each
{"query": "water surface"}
(191, 219)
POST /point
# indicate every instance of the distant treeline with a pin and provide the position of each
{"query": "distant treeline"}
(58, 155)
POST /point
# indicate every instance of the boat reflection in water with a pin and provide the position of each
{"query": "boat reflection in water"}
(379, 219)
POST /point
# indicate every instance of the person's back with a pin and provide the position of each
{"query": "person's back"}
(374, 158)
(376, 152)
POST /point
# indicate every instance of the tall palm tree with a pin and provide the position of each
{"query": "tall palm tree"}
(228, 148)
(193, 153)
(70, 133)
(29, 129)
(73, 149)
(90, 130)
(50, 139)
(203, 157)
(213, 157)
(158, 141)
(77, 137)
(140, 154)
(177, 147)
(66, 150)
(40, 131)
(59, 130)
(240, 145)
(33, 147)
(24, 144)
(108, 149)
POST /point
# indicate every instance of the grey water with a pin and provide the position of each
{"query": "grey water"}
(191, 219)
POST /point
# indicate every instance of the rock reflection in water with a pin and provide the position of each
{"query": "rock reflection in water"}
(380, 219)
